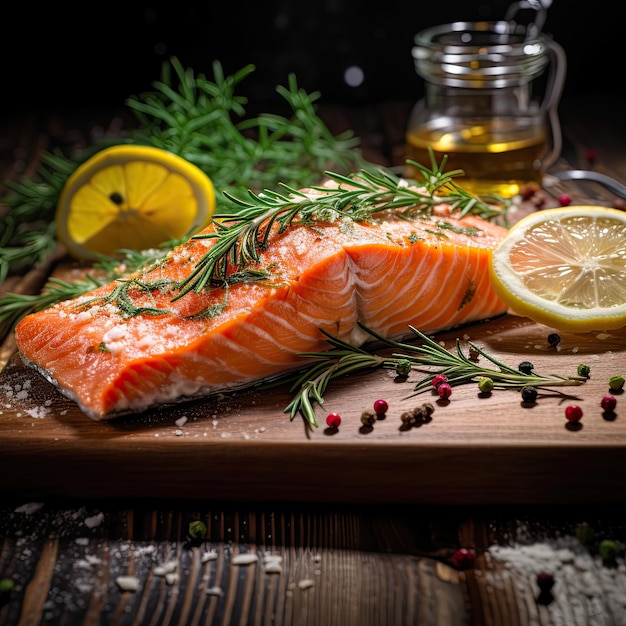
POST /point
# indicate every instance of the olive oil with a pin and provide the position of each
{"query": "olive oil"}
(498, 156)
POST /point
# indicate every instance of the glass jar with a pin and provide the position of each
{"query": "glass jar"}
(488, 104)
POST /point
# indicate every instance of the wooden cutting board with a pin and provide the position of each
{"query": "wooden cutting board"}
(243, 447)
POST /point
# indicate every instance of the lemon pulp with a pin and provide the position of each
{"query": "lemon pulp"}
(565, 267)
(133, 197)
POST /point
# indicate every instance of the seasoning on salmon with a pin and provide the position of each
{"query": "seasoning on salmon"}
(222, 312)
(387, 275)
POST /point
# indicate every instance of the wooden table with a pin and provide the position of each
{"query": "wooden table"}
(329, 554)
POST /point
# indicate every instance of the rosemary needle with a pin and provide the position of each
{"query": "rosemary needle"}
(343, 359)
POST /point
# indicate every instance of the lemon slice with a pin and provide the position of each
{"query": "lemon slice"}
(565, 268)
(134, 197)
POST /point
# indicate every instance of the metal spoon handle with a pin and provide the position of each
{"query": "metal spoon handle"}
(596, 177)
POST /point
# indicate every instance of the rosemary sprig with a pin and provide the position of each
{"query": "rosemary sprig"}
(15, 306)
(311, 385)
(358, 197)
(205, 122)
(344, 359)
(201, 120)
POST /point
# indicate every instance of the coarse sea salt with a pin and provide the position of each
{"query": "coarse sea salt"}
(127, 583)
(244, 559)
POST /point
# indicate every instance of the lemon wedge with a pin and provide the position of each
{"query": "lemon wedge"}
(565, 268)
(134, 197)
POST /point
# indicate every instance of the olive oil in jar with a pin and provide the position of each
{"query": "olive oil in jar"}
(488, 105)
(497, 155)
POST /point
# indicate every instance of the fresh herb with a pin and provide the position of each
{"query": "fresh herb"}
(438, 363)
(204, 122)
(357, 197)
(15, 306)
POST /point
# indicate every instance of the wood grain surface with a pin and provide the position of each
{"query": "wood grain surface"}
(493, 449)
(377, 553)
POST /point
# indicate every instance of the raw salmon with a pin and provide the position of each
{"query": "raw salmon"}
(431, 273)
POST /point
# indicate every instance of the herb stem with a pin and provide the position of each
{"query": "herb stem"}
(344, 359)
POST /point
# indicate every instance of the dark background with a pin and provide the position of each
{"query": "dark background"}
(96, 56)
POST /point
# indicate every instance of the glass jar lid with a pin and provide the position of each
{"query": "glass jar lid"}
(480, 54)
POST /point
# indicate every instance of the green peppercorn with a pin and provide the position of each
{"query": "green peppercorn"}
(585, 534)
(485, 384)
(197, 530)
(608, 550)
(6, 585)
(583, 370)
(616, 383)
(403, 367)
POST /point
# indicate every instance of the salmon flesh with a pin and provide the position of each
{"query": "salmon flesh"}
(431, 273)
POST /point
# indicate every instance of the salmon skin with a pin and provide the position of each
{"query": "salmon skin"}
(431, 273)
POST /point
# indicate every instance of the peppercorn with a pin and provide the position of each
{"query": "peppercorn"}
(444, 390)
(368, 418)
(197, 529)
(585, 534)
(564, 199)
(485, 384)
(554, 339)
(6, 585)
(428, 409)
(608, 550)
(403, 367)
(573, 413)
(438, 379)
(608, 404)
(583, 370)
(463, 558)
(591, 156)
(616, 383)
(545, 581)
(526, 367)
(473, 353)
(529, 394)
(333, 420)
(408, 418)
(381, 407)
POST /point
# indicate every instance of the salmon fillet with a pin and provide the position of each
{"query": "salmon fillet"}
(431, 273)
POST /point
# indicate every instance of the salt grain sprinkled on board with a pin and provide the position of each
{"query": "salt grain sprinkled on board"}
(585, 590)
(244, 559)
(214, 591)
(29, 508)
(165, 568)
(208, 556)
(306, 583)
(94, 521)
(127, 583)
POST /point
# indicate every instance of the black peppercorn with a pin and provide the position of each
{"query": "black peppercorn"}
(554, 339)
(526, 367)
(529, 394)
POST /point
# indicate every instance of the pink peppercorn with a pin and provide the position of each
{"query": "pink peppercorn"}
(608, 404)
(564, 199)
(381, 407)
(438, 379)
(463, 558)
(444, 390)
(591, 156)
(573, 413)
(333, 420)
